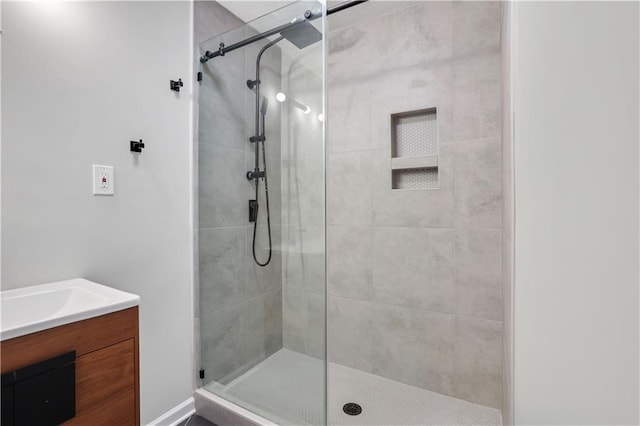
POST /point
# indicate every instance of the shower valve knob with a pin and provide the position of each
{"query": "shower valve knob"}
(260, 138)
(255, 175)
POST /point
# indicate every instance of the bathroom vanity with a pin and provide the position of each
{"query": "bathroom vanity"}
(70, 351)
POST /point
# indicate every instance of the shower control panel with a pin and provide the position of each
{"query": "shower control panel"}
(253, 210)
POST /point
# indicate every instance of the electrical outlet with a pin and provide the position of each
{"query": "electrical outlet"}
(102, 180)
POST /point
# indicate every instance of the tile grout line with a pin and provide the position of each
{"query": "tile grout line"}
(417, 309)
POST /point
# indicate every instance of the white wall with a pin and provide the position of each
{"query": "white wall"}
(80, 80)
(576, 235)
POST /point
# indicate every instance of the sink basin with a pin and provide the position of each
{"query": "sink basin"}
(30, 309)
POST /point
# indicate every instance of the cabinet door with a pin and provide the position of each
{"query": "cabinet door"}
(105, 386)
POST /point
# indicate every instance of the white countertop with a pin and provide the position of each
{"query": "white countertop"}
(29, 309)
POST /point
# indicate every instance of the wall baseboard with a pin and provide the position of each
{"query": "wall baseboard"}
(176, 415)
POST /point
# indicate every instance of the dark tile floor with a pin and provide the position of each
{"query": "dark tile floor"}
(196, 420)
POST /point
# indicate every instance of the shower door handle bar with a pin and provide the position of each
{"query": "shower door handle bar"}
(344, 6)
(308, 15)
(226, 49)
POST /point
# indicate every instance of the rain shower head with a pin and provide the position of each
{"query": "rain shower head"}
(264, 105)
(302, 35)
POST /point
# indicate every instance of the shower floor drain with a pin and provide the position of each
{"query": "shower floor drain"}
(352, 409)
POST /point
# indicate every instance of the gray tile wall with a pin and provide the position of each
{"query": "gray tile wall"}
(414, 277)
(238, 304)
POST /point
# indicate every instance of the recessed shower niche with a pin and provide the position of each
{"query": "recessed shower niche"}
(414, 149)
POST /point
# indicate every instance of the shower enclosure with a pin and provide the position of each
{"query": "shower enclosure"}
(382, 305)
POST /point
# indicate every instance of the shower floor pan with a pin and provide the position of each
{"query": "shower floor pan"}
(290, 384)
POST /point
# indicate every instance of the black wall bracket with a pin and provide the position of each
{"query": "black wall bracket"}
(176, 85)
(136, 146)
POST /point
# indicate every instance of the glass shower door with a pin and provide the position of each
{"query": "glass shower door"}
(261, 224)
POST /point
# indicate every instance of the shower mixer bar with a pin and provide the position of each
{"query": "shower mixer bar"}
(291, 26)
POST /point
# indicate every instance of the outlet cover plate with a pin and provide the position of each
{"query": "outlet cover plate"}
(103, 182)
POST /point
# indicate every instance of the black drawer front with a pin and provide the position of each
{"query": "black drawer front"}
(42, 394)
(7, 405)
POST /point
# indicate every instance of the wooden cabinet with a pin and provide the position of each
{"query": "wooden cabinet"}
(107, 378)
